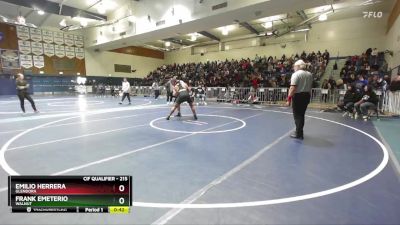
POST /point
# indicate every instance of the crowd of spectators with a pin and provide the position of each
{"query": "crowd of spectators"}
(369, 68)
(265, 71)
(366, 79)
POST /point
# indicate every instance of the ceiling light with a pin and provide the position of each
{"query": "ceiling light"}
(40, 12)
(267, 25)
(225, 31)
(193, 36)
(84, 23)
(21, 20)
(301, 30)
(132, 19)
(167, 44)
(323, 17)
(63, 23)
(101, 9)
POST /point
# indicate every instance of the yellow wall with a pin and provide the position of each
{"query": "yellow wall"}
(348, 37)
(393, 44)
(102, 64)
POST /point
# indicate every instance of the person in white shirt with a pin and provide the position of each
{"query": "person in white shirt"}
(299, 95)
(126, 87)
(156, 89)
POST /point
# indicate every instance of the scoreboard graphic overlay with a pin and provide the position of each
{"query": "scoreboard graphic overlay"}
(70, 194)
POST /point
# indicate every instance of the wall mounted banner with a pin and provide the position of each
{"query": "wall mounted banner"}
(36, 34)
(26, 61)
(9, 59)
(37, 48)
(38, 61)
(24, 47)
(59, 38)
(23, 33)
(69, 39)
(48, 36)
(69, 52)
(79, 53)
(48, 49)
(78, 41)
(59, 50)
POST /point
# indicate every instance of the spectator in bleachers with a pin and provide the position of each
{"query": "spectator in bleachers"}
(325, 86)
(239, 72)
(360, 83)
(395, 84)
(368, 101)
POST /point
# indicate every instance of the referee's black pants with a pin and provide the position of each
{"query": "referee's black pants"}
(300, 102)
(169, 96)
(22, 95)
(125, 94)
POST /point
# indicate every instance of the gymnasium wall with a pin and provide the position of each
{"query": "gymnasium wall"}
(346, 37)
(52, 64)
(393, 43)
(102, 64)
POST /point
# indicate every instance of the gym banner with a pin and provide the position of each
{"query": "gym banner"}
(48, 49)
(24, 47)
(59, 38)
(78, 41)
(9, 59)
(26, 61)
(59, 50)
(69, 39)
(37, 48)
(48, 36)
(38, 61)
(36, 34)
(79, 53)
(23, 33)
(69, 52)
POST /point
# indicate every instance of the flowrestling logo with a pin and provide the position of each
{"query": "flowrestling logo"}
(372, 15)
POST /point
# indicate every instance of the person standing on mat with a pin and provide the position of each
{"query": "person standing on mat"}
(22, 87)
(169, 87)
(299, 95)
(156, 89)
(182, 95)
(126, 87)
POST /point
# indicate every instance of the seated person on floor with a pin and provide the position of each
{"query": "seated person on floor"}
(350, 97)
(368, 101)
(200, 95)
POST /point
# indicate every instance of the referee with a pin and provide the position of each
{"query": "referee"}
(299, 95)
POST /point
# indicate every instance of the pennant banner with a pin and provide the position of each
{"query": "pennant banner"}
(48, 36)
(36, 34)
(37, 48)
(26, 61)
(59, 51)
(79, 53)
(9, 59)
(58, 38)
(23, 33)
(24, 47)
(69, 39)
(38, 61)
(69, 52)
(48, 49)
(78, 40)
